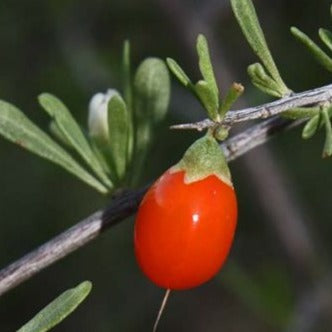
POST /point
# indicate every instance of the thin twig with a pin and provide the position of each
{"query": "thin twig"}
(121, 207)
(306, 98)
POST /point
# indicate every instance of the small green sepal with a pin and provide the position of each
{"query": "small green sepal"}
(202, 159)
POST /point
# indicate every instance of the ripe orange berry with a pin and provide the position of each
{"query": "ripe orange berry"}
(184, 231)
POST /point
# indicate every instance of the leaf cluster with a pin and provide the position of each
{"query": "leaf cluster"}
(322, 118)
(131, 121)
(264, 75)
(206, 89)
(321, 56)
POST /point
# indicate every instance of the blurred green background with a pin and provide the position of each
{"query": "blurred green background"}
(278, 274)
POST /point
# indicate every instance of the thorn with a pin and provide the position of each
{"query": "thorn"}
(161, 309)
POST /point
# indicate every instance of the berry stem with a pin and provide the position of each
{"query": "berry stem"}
(161, 309)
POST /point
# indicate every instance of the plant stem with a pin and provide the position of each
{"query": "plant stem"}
(307, 98)
(161, 310)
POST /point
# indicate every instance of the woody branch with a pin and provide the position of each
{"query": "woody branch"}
(314, 97)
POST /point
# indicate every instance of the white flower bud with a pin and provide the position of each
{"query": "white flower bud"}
(97, 120)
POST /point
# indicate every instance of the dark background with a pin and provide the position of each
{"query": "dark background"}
(278, 274)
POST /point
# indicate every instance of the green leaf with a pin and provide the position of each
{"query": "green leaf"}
(301, 112)
(257, 72)
(143, 143)
(118, 125)
(263, 81)
(128, 97)
(314, 49)
(179, 73)
(58, 309)
(265, 89)
(326, 36)
(327, 150)
(207, 98)
(57, 133)
(201, 90)
(206, 68)
(102, 153)
(126, 69)
(151, 93)
(311, 127)
(246, 16)
(72, 132)
(234, 92)
(17, 128)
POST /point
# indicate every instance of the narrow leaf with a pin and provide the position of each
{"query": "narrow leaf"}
(234, 92)
(128, 97)
(102, 152)
(261, 86)
(257, 72)
(57, 133)
(58, 309)
(263, 81)
(246, 16)
(326, 36)
(207, 98)
(17, 128)
(126, 70)
(314, 49)
(206, 68)
(311, 127)
(178, 72)
(327, 150)
(72, 132)
(301, 112)
(118, 125)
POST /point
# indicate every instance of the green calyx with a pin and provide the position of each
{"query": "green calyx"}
(202, 159)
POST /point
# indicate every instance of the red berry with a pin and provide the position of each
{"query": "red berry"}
(183, 232)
